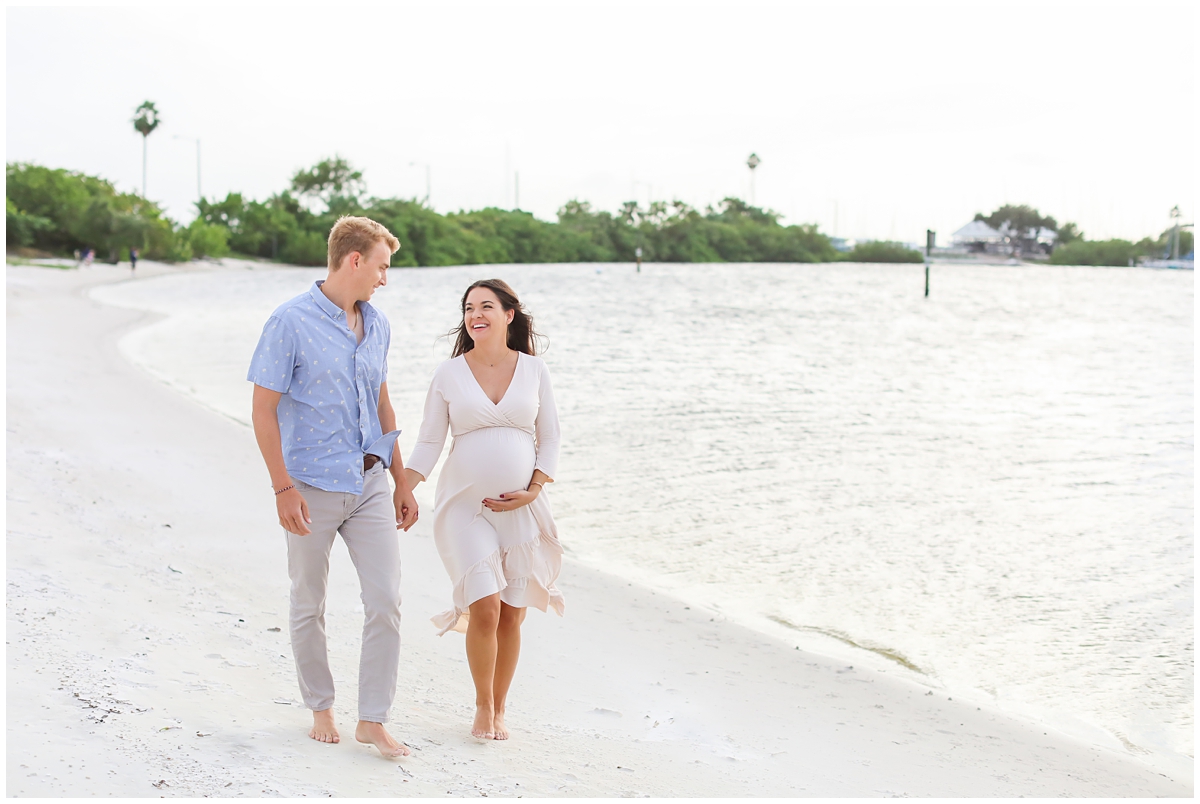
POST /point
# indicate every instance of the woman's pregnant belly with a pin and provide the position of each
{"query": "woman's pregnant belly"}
(492, 460)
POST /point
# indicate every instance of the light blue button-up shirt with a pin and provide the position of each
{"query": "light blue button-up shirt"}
(329, 412)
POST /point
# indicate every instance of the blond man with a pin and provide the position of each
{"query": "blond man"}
(327, 431)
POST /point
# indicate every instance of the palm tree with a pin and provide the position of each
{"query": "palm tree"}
(146, 120)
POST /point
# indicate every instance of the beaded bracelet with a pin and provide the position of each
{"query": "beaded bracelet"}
(285, 488)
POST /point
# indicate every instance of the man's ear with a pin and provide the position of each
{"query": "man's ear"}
(355, 258)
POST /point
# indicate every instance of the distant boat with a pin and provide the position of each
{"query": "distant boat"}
(1182, 264)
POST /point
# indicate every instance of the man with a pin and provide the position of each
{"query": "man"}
(327, 431)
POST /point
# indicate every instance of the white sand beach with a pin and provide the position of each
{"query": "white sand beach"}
(147, 652)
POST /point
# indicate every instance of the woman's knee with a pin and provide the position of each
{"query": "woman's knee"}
(510, 617)
(485, 612)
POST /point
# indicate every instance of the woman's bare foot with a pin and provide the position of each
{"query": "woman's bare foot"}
(324, 730)
(482, 727)
(498, 727)
(375, 734)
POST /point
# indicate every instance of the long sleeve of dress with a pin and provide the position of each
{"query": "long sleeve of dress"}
(546, 430)
(434, 424)
(497, 447)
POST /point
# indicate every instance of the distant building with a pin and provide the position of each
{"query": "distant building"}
(1045, 239)
(980, 238)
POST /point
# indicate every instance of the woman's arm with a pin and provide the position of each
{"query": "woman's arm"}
(435, 423)
(546, 432)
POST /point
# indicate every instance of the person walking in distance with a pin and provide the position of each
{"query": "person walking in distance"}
(326, 429)
(133, 257)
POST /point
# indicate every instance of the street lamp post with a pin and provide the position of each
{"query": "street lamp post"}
(752, 163)
(427, 190)
(199, 191)
(1175, 216)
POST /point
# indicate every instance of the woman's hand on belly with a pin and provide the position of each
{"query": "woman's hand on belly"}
(512, 500)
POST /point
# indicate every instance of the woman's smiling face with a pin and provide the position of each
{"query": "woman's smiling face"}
(484, 317)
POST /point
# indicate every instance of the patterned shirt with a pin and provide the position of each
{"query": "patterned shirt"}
(329, 412)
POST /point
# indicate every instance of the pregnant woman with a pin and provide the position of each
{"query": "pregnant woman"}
(491, 523)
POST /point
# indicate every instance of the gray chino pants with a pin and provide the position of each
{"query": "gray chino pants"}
(367, 523)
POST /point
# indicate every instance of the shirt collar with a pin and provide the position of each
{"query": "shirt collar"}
(328, 307)
(333, 311)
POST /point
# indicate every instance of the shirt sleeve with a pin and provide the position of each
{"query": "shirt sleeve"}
(274, 358)
(434, 425)
(546, 433)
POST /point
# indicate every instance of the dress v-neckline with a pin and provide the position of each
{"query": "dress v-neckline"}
(479, 385)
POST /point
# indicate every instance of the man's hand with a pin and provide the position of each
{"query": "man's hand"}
(293, 512)
(406, 509)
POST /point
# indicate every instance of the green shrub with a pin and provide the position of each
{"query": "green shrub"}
(22, 229)
(207, 240)
(61, 210)
(1095, 252)
(304, 248)
(883, 251)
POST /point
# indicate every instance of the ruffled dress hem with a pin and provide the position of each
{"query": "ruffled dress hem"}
(523, 575)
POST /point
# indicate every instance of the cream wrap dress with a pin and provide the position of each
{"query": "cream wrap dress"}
(495, 450)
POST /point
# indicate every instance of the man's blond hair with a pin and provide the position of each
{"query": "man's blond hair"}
(352, 233)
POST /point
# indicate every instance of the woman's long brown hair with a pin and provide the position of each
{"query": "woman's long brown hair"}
(521, 334)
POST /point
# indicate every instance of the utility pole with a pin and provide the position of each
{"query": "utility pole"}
(930, 238)
(752, 163)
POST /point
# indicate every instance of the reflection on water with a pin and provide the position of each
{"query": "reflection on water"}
(993, 485)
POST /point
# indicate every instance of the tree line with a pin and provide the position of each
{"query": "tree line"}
(291, 226)
(59, 211)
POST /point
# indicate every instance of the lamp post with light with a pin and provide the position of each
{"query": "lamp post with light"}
(752, 163)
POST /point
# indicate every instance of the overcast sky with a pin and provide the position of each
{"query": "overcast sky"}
(875, 120)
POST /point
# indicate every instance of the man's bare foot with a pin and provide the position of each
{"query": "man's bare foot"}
(324, 730)
(375, 734)
(498, 727)
(482, 727)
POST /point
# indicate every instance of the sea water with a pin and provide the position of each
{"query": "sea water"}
(988, 491)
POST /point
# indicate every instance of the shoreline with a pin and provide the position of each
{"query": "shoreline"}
(621, 649)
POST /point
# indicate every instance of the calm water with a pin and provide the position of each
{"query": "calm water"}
(990, 491)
